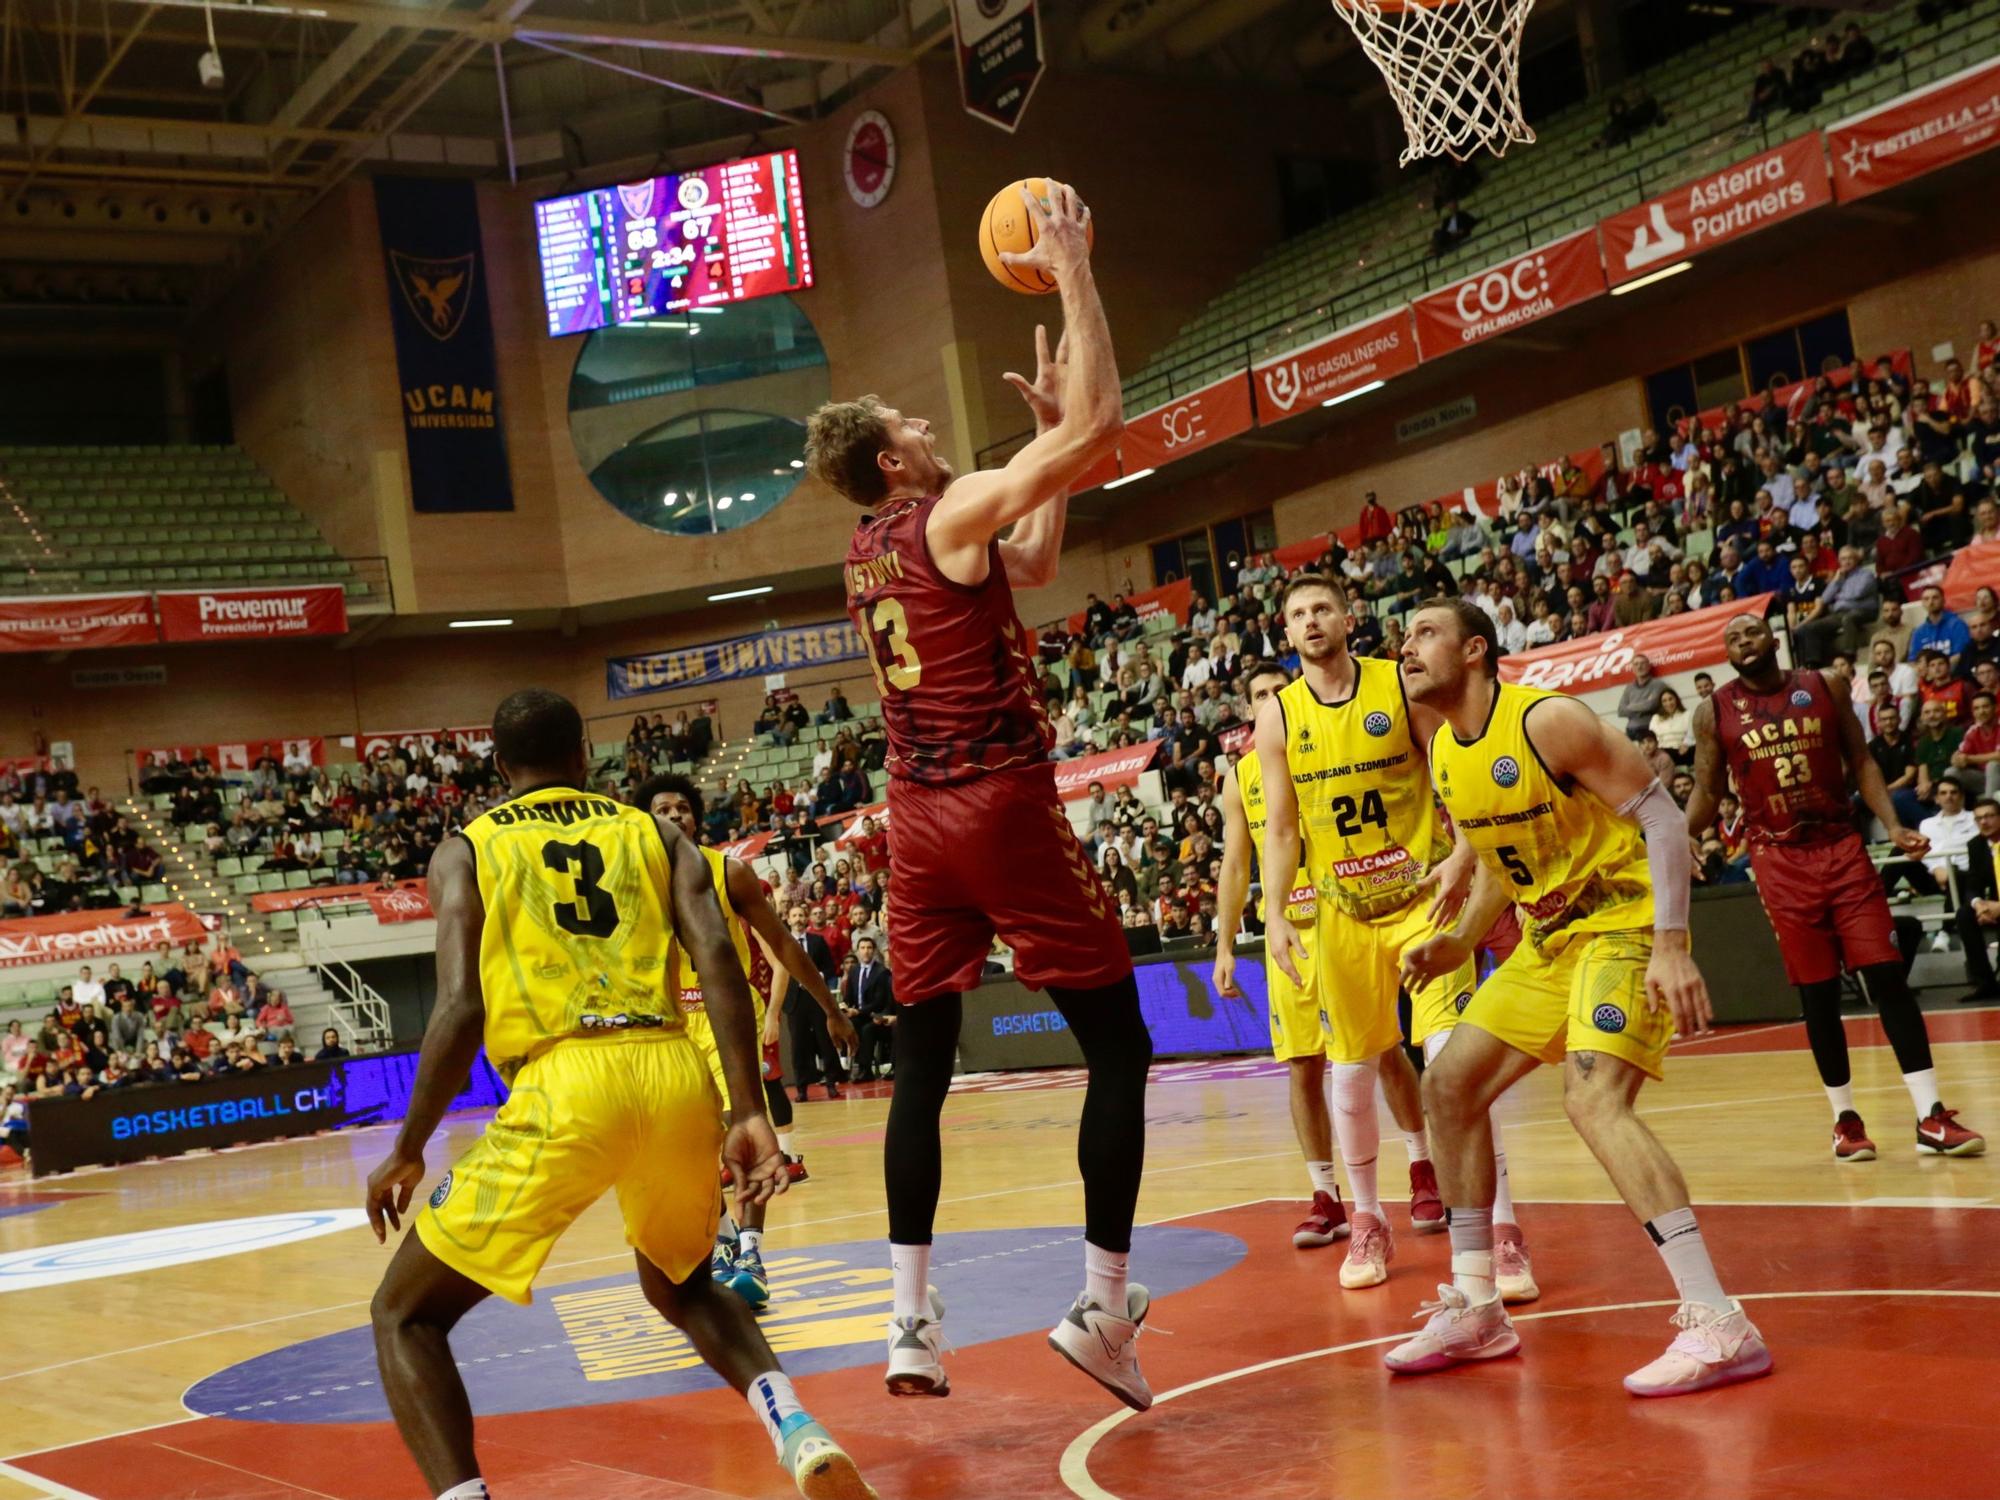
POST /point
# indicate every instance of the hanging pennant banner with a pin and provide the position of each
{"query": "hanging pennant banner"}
(999, 57)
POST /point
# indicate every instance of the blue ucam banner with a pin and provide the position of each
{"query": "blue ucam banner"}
(444, 344)
(743, 656)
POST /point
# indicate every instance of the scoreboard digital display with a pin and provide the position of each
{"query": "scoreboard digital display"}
(644, 250)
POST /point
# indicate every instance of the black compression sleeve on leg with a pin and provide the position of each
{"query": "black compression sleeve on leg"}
(1111, 1137)
(926, 1048)
(779, 1103)
(1826, 1033)
(1909, 1038)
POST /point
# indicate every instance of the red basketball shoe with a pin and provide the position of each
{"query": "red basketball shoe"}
(1324, 1223)
(1426, 1208)
(1940, 1134)
(795, 1168)
(1850, 1138)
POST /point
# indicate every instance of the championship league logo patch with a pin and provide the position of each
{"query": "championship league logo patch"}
(443, 1192)
(1608, 1018)
(1801, 698)
(1506, 771)
(1464, 999)
(1376, 724)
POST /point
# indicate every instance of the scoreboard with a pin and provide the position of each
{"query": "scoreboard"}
(644, 250)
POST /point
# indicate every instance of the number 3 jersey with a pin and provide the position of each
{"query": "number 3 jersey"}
(960, 692)
(1783, 750)
(1571, 864)
(578, 927)
(1371, 828)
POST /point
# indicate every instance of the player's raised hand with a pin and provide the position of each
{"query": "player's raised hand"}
(1044, 393)
(1909, 841)
(1673, 981)
(1435, 955)
(390, 1188)
(1062, 232)
(1284, 946)
(756, 1165)
(1225, 974)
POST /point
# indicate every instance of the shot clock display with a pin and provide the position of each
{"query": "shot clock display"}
(641, 251)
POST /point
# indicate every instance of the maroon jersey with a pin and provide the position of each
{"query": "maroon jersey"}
(1783, 749)
(960, 693)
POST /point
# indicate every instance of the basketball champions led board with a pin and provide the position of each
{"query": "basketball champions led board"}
(639, 251)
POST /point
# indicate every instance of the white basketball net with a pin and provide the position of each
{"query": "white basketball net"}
(1453, 68)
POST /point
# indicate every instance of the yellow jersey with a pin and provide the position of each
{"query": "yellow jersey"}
(687, 983)
(579, 922)
(1303, 903)
(1571, 863)
(1371, 828)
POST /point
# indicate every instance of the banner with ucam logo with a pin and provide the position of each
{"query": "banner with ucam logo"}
(1187, 424)
(1917, 133)
(1679, 643)
(1510, 295)
(80, 936)
(1297, 382)
(1741, 199)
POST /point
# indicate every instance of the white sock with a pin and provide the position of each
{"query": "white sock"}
(1104, 1277)
(1471, 1231)
(1678, 1239)
(1503, 1198)
(1323, 1178)
(1419, 1142)
(911, 1266)
(1358, 1129)
(472, 1489)
(785, 1138)
(1923, 1090)
(751, 1240)
(771, 1396)
(1840, 1096)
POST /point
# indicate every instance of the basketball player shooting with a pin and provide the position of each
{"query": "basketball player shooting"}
(559, 914)
(1556, 803)
(1791, 741)
(981, 843)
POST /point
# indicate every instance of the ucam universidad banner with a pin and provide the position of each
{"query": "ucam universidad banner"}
(445, 363)
(77, 622)
(1678, 643)
(1510, 295)
(1740, 199)
(253, 614)
(1917, 133)
(768, 651)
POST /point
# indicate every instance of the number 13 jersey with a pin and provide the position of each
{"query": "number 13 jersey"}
(960, 692)
(1371, 829)
(1570, 863)
(578, 926)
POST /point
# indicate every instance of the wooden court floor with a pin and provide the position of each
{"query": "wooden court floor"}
(210, 1359)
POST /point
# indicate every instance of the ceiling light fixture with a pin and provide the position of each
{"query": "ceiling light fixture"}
(1112, 484)
(762, 588)
(481, 624)
(1660, 275)
(1359, 390)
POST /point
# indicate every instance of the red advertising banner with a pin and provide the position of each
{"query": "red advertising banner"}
(83, 935)
(1186, 425)
(409, 902)
(746, 849)
(1679, 643)
(1100, 473)
(240, 756)
(1342, 362)
(1237, 741)
(1972, 568)
(1303, 553)
(1115, 768)
(1176, 599)
(78, 622)
(1510, 295)
(1754, 194)
(328, 895)
(466, 741)
(253, 614)
(852, 823)
(1791, 397)
(1917, 133)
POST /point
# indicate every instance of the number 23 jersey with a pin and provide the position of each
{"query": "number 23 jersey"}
(578, 926)
(960, 691)
(1570, 863)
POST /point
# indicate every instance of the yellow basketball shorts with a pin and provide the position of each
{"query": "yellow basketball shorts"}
(636, 1114)
(1590, 997)
(1298, 1020)
(703, 1036)
(1360, 975)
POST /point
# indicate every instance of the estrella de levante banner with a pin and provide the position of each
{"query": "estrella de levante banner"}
(781, 650)
(448, 375)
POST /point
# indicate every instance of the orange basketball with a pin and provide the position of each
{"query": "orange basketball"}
(1007, 225)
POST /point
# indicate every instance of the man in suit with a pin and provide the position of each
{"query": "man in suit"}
(813, 1053)
(868, 999)
(1979, 902)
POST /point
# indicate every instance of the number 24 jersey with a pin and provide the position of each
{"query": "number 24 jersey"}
(579, 923)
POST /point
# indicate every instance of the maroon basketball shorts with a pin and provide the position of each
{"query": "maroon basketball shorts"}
(1826, 905)
(995, 856)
